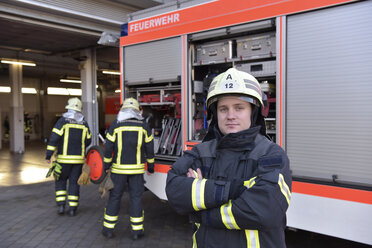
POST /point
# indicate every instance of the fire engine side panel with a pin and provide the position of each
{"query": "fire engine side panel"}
(347, 220)
(165, 8)
(329, 92)
(156, 61)
(328, 114)
(322, 72)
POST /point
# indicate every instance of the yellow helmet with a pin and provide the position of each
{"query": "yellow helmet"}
(74, 104)
(130, 103)
(234, 82)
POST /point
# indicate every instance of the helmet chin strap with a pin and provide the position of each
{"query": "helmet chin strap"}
(213, 125)
(257, 119)
(254, 115)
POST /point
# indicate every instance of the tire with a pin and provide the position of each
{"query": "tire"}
(94, 160)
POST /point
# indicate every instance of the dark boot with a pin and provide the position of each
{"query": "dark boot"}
(61, 210)
(137, 235)
(72, 212)
(108, 234)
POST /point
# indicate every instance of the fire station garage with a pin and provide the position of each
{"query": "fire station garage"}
(312, 60)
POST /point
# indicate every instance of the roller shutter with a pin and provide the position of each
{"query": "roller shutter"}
(156, 61)
(329, 93)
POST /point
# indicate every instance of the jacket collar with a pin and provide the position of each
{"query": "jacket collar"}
(240, 141)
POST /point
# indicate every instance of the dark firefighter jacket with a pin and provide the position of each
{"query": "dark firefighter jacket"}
(257, 218)
(129, 144)
(70, 138)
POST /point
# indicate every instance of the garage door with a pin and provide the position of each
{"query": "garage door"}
(157, 61)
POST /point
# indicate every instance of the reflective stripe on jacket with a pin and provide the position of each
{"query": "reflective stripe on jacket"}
(257, 217)
(129, 144)
(70, 139)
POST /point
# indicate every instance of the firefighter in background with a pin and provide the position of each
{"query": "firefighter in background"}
(129, 144)
(70, 137)
(237, 185)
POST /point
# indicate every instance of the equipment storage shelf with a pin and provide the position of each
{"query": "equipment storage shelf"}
(256, 46)
(152, 96)
(236, 60)
(253, 52)
(214, 52)
(236, 49)
(161, 106)
(259, 69)
(270, 125)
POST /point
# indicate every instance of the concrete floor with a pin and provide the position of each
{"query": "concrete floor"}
(28, 214)
(29, 167)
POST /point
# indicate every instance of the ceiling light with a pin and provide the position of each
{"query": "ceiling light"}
(64, 80)
(29, 50)
(5, 89)
(18, 62)
(57, 91)
(74, 92)
(64, 91)
(117, 91)
(113, 72)
(29, 91)
(25, 90)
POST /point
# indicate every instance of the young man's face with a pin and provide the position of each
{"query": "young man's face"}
(233, 114)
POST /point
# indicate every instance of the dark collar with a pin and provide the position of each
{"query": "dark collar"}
(240, 141)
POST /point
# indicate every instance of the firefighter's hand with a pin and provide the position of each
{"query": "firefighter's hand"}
(107, 167)
(57, 170)
(150, 168)
(50, 171)
(194, 174)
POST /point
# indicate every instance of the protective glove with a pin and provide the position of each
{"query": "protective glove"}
(84, 178)
(51, 169)
(236, 188)
(57, 170)
(150, 167)
(106, 185)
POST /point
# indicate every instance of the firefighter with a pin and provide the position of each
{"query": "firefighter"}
(236, 186)
(70, 137)
(129, 144)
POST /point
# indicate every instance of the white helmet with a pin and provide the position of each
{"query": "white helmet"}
(130, 103)
(234, 82)
(74, 104)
